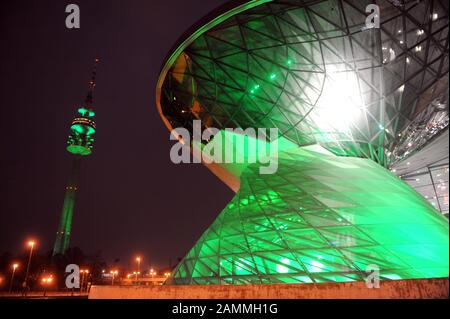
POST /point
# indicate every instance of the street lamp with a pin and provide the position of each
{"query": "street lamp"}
(14, 267)
(113, 273)
(138, 259)
(81, 281)
(31, 244)
(47, 281)
(86, 271)
(84, 274)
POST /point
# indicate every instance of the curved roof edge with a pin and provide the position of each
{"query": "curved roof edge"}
(212, 19)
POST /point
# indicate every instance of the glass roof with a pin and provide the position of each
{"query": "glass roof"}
(313, 70)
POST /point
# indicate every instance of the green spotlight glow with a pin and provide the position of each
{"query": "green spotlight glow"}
(79, 150)
(85, 112)
(83, 129)
(320, 218)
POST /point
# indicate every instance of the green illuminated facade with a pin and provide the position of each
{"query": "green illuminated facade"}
(349, 102)
(79, 144)
(320, 218)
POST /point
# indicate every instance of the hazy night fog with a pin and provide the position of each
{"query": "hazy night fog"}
(131, 199)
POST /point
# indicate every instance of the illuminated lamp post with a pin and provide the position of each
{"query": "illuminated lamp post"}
(113, 273)
(31, 244)
(84, 276)
(14, 267)
(138, 260)
(46, 281)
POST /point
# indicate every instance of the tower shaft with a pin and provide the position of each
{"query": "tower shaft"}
(65, 224)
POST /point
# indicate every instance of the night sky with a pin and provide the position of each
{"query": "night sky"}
(131, 199)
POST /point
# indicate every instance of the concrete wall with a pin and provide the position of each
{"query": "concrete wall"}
(404, 289)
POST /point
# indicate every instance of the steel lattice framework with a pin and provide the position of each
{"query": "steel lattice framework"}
(313, 70)
(320, 218)
(353, 100)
